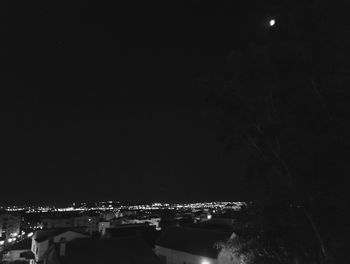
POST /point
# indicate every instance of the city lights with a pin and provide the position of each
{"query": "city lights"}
(2, 242)
(214, 206)
(30, 234)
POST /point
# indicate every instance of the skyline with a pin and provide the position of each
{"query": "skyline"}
(112, 205)
(162, 105)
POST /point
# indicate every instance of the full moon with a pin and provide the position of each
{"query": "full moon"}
(272, 22)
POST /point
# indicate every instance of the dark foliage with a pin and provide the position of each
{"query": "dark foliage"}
(284, 96)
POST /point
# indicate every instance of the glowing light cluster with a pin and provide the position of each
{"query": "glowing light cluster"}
(109, 206)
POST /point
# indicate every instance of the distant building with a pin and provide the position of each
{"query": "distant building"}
(202, 216)
(9, 225)
(143, 231)
(128, 250)
(43, 239)
(154, 221)
(102, 226)
(90, 222)
(108, 216)
(55, 222)
(192, 246)
(124, 213)
(20, 251)
(169, 222)
(222, 221)
(146, 220)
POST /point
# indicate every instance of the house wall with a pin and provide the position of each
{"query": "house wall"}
(102, 227)
(39, 249)
(179, 257)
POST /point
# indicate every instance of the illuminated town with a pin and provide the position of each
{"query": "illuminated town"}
(20, 226)
(175, 132)
(115, 205)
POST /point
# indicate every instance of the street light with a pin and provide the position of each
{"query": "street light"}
(272, 22)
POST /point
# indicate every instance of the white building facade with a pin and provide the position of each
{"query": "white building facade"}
(41, 245)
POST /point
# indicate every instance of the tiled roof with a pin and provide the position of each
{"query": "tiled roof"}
(196, 241)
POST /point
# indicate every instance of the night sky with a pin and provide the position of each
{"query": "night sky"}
(102, 102)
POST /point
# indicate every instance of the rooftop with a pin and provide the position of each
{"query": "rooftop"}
(129, 250)
(197, 241)
(146, 232)
(43, 235)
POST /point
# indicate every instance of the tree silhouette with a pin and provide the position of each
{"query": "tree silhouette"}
(283, 96)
